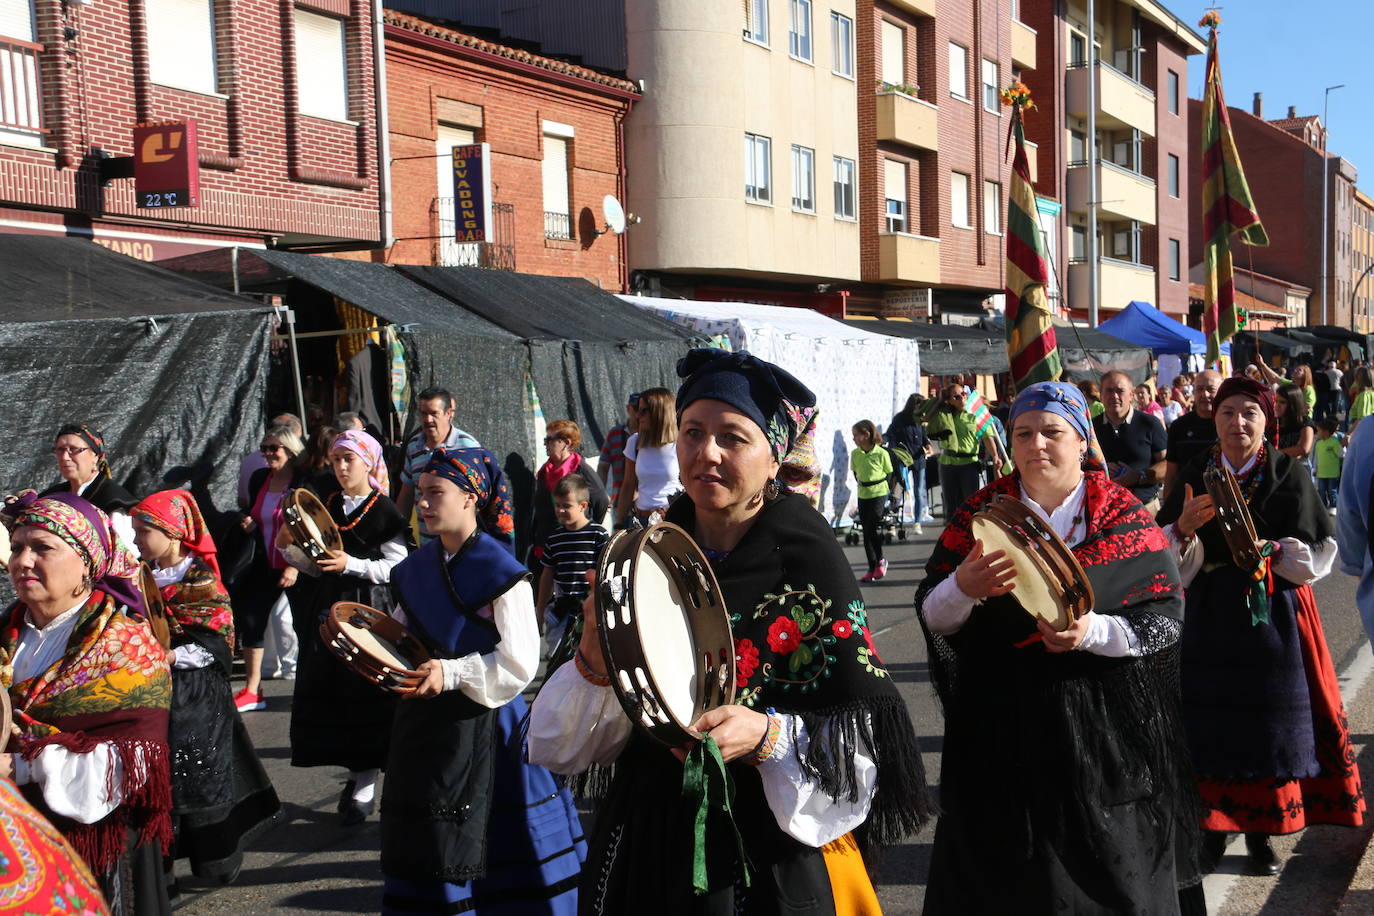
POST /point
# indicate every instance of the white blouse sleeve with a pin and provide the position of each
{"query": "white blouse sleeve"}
(124, 529)
(946, 608)
(575, 723)
(76, 785)
(378, 572)
(495, 678)
(1301, 564)
(803, 810)
(1188, 554)
(190, 656)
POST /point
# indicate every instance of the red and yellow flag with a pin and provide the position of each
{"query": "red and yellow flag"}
(1031, 347)
(1227, 206)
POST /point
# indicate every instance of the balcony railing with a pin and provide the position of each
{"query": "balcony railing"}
(557, 225)
(21, 105)
(496, 254)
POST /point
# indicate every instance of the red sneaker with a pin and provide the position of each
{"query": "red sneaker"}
(881, 571)
(249, 702)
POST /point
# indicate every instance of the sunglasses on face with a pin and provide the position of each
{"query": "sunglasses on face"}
(69, 450)
(270, 449)
(550, 440)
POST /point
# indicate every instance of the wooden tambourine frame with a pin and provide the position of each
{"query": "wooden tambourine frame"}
(374, 644)
(311, 531)
(1233, 516)
(1050, 582)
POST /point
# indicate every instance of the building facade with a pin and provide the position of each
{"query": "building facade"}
(1134, 70)
(1283, 167)
(742, 158)
(556, 136)
(283, 94)
(1362, 261)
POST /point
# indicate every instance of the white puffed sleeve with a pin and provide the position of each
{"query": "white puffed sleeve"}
(378, 572)
(946, 608)
(1187, 553)
(497, 677)
(76, 785)
(803, 810)
(575, 723)
(1301, 564)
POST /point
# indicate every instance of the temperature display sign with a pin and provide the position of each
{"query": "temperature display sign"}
(166, 165)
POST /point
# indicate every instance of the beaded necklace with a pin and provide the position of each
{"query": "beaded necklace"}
(1250, 483)
(362, 510)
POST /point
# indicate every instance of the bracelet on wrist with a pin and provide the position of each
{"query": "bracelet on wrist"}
(769, 741)
(588, 674)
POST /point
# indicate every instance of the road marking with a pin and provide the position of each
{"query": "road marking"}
(1352, 681)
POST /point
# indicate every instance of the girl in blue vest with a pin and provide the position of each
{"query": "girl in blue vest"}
(467, 825)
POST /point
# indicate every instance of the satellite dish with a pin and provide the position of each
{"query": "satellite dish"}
(614, 213)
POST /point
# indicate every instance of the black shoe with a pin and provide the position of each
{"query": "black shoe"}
(1262, 860)
(346, 795)
(1213, 848)
(355, 812)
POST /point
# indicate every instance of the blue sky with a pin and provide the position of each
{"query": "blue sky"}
(1291, 52)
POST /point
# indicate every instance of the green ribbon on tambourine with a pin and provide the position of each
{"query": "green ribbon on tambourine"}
(706, 785)
(1261, 586)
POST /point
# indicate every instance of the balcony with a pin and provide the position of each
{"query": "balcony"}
(21, 104)
(1121, 101)
(1122, 282)
(1121, 193)
(907, 120)
(497, 254)
(919, 7)
(906, 258)
(557, 225)
(1022, 45)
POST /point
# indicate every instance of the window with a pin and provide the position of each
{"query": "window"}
(1175, 257)
(181, 43)
(758, 169)
(844, 188)
(958, 71)
(992, 208)
(557, 206)
(16, 19)
(1078, 243)
(894, 190)
(1173, 92)
(21, 104)
(1078, 147)
(756, 20)
(799, 30)
(842, 44)
(803, 179)
(321, 65)
(894, 54)
(958, 200)
(1078, 49)
(452, 253)
(1173, 175)
(990, 97)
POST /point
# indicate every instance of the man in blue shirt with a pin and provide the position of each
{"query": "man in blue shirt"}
(1352, 519)
(435, 406)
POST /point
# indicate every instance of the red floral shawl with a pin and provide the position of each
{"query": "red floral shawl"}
(113, 684)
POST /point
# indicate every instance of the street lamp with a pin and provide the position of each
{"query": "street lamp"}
(1326, 171)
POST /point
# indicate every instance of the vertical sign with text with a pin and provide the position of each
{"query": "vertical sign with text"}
(166, 164)
(472, 192)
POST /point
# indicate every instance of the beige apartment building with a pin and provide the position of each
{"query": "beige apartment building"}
(1362, 262)
(742, 157)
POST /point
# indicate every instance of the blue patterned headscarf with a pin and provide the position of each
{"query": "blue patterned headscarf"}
(476, 471)
(1063, 400)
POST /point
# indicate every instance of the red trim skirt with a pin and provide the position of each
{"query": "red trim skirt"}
(1279, 806)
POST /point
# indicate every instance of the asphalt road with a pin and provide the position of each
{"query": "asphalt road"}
(310, 865)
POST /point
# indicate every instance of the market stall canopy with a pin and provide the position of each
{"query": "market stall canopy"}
(1085, 353)
(855, 373)
(172, 372)
(1333, 335)
(1142, 324)
(945, 348)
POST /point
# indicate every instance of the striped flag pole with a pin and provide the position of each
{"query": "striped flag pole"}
(1227, 206)
(1031, 346)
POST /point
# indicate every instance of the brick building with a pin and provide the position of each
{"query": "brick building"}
(282, 91)
(1138, 76)
(1283, 166)
(556, 133)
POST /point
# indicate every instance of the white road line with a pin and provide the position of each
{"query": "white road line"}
(1352, 681)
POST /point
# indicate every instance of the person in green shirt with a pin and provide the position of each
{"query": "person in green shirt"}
(1361, 396)
(1330, 453)
(872, 466)
(954, 428)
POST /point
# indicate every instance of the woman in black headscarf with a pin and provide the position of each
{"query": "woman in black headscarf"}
(818, 744)
(1260, 698)
(84, 466)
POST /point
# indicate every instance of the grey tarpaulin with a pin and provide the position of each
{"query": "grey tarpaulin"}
(1086, 353)
(588, 348)
(172, 372)
(945, 348)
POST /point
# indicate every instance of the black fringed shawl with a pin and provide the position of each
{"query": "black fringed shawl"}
(1043, 750)
(802, 646)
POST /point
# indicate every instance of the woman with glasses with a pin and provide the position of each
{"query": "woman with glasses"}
(562, 443)
(79, 451)
(269, 575)
(651, 477)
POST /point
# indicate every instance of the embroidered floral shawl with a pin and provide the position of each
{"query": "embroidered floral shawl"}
(113, 684)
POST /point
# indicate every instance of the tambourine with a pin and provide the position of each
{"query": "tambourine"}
(374, 644)
(664, 631)
(1050, 582)
(310, 530)
(1233, 516)
(4, 550)
(156, 607)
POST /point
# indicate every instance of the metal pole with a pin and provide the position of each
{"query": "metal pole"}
(1326, 172)
(1355, 289)
(1094, 256)
(234, 264)
(290, 315)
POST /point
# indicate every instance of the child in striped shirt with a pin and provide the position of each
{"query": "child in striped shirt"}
(568, 553)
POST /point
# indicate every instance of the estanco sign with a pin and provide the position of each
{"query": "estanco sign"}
(472, 192)
(166, 164)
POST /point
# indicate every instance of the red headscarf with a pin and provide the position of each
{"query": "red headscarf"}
(175, 513)
(1256, 391)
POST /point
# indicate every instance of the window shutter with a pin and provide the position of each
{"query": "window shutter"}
(16, 19)
(321, 66)
(555, 175)
(181, 43)
(894, 54)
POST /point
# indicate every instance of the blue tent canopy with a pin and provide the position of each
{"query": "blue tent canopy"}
(1146, 326)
